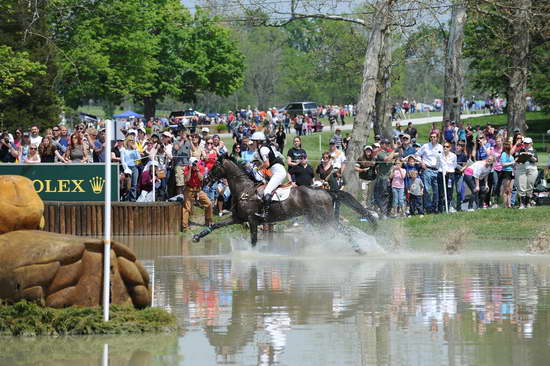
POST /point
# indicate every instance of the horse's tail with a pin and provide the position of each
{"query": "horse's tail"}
(350, 201)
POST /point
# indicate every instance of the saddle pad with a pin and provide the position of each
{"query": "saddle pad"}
(280, 194)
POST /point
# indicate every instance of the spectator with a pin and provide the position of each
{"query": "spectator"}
(429, 154)
(475, 174)
(365, 166)
(181, 154)
(445, 178)
(383, 159)
(76, 152)
(325, 167)
(49, 153)
(411, 131)
(236, 152)
(33, 157)
(130, 159)
(302, 174)
(505, 176)
(416, 192)
(461, 162)
(295, 155)
(18, 138)
(336, 182)
(406, 147)
(338, 157)
(99, 147)
(36, 139)
(337, 138)
(194, 175)
(8, 151)
(24, 147)
(526, 172)
(116, 151)
(219, 145)
(397, 177)
(56, 139)
(280, 138)
(196, 148)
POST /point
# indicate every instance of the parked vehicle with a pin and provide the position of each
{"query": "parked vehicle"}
(184, 117)
(302, 108)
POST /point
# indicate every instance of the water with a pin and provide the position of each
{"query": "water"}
(286, 304)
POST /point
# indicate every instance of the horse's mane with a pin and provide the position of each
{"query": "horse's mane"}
(240, 164)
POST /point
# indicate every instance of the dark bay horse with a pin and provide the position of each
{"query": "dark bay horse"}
(316, 204)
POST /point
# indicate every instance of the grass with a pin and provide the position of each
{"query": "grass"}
(29, 319)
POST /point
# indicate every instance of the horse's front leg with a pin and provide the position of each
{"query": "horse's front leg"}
(209, 229)
(253, 232)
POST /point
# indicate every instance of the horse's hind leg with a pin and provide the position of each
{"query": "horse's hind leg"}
(209, 229)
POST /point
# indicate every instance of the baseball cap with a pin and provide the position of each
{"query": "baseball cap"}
(385, 141)
(527, 140)
(367, 147)
(142, 129)
(193, 160)
(167, 134)
(377, 137)
(406, 135)
(376, 144)
(332, 142)
(517, 129)
(132, 131)
(205, 129)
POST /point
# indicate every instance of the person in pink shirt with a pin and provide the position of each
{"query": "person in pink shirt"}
(397, 177)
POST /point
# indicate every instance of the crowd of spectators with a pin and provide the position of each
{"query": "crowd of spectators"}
(482, 166)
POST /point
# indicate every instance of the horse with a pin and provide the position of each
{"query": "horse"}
(316, 204)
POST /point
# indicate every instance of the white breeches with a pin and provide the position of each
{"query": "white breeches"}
(278, 176)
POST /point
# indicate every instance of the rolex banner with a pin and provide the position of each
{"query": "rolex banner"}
(67, 182)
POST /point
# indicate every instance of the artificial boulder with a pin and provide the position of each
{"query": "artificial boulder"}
(62, 270)
(20, 207)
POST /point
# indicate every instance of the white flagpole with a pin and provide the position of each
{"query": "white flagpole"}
(107, 223)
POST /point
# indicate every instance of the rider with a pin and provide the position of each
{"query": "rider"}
(273, 160)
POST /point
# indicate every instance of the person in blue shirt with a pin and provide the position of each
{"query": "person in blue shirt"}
(129, 156)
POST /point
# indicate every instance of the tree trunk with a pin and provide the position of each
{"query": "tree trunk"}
(365, 106)
(517, 83)
(150, 107)
(383, 124)
(454, 70)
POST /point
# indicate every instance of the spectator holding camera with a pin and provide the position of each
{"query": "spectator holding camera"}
(526, 171)
(194, 175)
(8, 151)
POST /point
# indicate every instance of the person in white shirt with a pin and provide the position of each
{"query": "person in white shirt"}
(338, 157)
(430, 155)
(446, 178)
(36, 139)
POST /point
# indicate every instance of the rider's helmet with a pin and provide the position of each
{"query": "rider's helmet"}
(258, 136)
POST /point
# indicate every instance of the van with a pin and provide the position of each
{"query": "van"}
(301, 108)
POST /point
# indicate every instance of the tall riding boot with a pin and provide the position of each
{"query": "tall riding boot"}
(266, 206)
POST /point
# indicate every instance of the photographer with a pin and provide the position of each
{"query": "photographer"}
(526, 171)
(193, 176)
(8, 152)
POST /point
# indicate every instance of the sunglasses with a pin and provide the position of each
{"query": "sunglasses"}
(433, 137)
(447, 147)
(33, 148)
(55, 130)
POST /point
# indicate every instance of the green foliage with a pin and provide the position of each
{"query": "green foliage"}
(36, 101)
(29, 319)
(539, 82)
(16, 72)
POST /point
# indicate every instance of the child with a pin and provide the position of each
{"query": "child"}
(397, 177)
(416, 191)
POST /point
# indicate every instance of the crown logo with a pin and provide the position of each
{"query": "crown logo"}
(97, 184)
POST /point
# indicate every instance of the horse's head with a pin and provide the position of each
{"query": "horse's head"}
(217, 172)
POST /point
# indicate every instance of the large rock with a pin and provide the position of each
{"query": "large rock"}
(20, 206)
(64, 270)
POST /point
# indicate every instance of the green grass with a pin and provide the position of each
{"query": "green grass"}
(29, 319)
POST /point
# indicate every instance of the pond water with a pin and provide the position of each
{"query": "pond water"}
(320, 304)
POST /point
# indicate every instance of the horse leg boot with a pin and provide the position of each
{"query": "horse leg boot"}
(212, 227)
(266, 206)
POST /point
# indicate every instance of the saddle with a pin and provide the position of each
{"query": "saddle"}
(280, 194)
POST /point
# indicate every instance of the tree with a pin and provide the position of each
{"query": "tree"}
(454, 69)
(144, 50)
(500, 40)
(28, 52)
(16, 73)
